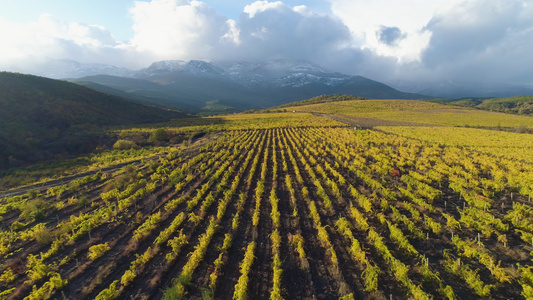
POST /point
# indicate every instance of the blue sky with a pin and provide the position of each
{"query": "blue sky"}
(111, 14)
(387, 40)
(114, 14)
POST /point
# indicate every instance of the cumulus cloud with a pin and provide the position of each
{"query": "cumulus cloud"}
(173, 29)
(261, 6)
(480, 39)
(382, 39)
(48, 37)
(366, 20)
(276, 30)
(177, 29)
(444, 40)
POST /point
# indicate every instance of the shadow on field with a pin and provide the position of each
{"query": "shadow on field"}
(196, 122)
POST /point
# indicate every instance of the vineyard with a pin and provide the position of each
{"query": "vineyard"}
(281, 212)
(418, 112)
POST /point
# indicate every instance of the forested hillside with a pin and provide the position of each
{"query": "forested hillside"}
(522, 105)
(40, 117)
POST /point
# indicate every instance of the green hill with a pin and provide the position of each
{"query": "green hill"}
(522, 105)
(40, 117)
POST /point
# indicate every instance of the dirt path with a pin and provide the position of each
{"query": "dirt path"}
(194, 146)
(368, 123)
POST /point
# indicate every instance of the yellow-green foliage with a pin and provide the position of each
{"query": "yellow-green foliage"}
(298, 243)
(98, 250)
(124, 145)
(36, 268)
(241, 288)
(419, 112)
(45, 291)
(7, 276)
(110, 293)
(128, 277)
(500, 143)
(470, 137)
(147, 226)
(353, 107)
(248, 121)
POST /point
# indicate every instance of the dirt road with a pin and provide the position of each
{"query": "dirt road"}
(367, 123)
(195, 144)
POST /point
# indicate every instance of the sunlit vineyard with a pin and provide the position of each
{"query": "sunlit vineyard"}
(504, 144)
(242, 121)
(419, 112)
(280, 213)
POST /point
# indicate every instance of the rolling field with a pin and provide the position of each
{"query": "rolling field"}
(418, 112)
(504, 144)
(285, 208)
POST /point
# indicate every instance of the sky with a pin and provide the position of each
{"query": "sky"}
(386, 40)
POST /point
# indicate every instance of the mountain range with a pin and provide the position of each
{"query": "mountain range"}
(226, 86)
(197, 86)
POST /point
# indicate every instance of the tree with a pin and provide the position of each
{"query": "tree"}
(159, 135)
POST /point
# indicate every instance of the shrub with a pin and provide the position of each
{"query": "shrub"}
(124, 145)
(44, 236)
(34, 210)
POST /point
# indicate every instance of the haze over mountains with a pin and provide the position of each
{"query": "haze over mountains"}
(200, 86)
(288, 80)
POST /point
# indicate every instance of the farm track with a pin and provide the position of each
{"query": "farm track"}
(368, 123)
(195, 145)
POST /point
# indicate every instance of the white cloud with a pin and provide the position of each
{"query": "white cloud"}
(483, 40)
(382, 39)
(261, 6)
(277, 30)
(442, 40)
(366, 18)
(233, 34)
(173, 29)
(50, 37)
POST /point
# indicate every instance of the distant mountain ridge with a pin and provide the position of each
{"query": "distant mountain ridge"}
(271, 73)
(274, 73)
(521, 105)
(193, 86)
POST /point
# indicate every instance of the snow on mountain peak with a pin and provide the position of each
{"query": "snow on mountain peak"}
(166, 66)
(270, 73)
(196, 67)
(199, 66)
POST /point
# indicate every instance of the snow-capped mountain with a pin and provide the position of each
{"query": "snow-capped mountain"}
(164, 66)
(279, 77)
(283, 73)
(272, 73)
(192, 67)
(237, 85)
